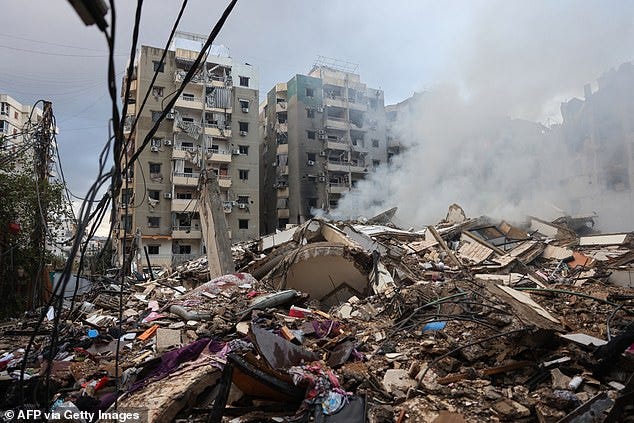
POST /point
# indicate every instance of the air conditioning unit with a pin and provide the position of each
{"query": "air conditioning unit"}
(320, 109)
(167, 142)
(154, 149)
(323, 137)
(235, 152)
(245, 109)
(322, 179)
(321, 132)
(322, 154)
(310, 163)
(243, 133)
(171, 114)
(167, 195)
(242, 205)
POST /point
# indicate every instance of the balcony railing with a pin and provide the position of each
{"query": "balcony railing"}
(187, 174)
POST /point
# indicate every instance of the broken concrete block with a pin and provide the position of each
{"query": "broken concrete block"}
(167, 338)
(398, 379)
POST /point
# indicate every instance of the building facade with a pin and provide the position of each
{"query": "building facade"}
(14, 117)
(212, 126)
(323, 132)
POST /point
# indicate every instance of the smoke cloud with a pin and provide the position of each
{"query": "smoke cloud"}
(474, 139)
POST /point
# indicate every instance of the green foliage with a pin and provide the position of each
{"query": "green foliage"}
(21, 199)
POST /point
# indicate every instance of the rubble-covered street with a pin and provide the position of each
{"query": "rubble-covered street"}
(469, 320)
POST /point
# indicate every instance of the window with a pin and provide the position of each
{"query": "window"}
(184, 195)
(214, 148)
(312, 203)
(188, 171)
(243, 199)
(184, 249)
(4, 109)
(155, 168)
(156, 142)
(244, 149)
(375, 143)
(157, 91)
(310, 92)
(243, 174)
(158, 66)
(188, 97)
(244, 126)
(126, 195)
(243, 223)
(311, 157)
(244, 104)
(153, 249)
(310, 113)
(154, 195)
(188, 119)
(376, 163)
(310, 135)
(15, 115)
(153, 222)
(4, 126)
(155, 115)
(373, 103)
(126, 223)
(244, 81)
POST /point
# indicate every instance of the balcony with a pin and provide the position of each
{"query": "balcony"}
(218, 156)
(282, 149)
(338, 188)
(358, 104)
(282, 192)
(282, 106)
(337, 166)
(283, 170)
(193, 129)
(359, 148)
(224, 181)
(358, 169)
(186, 179)
(186, 232)
(195, 103)
(133, 85)
(335, 102)
(281, 127)
(283, 213)
(337, 123)
(337, 145)
(183, 152)
(183, 204)
(214, 131)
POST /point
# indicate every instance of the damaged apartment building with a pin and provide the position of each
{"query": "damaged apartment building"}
(323, 132)
(213, 127)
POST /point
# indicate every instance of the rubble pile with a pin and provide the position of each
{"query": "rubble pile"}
(467, 320)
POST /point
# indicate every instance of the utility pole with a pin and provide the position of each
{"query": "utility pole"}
(41, 164)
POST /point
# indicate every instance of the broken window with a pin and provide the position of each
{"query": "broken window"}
(153, 222)
(184, 249)
(157, 91)
(310, 135)
(243, 174)
(244, 81)
(155, 168)
(158, 66)
(184, 195)
(244, 149)
(310, 92)
(154, 194)
(153, 249)
(310, 113)
(243, 223)
(244, 126)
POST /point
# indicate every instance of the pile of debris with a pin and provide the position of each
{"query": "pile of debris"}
(467, 320)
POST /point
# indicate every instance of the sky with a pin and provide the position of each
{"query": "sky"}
(526, 56)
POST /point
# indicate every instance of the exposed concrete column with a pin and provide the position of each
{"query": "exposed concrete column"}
(214, 226)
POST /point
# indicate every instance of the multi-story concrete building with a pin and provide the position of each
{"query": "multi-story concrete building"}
(212, 126)
(323, 132)
(13, 119)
